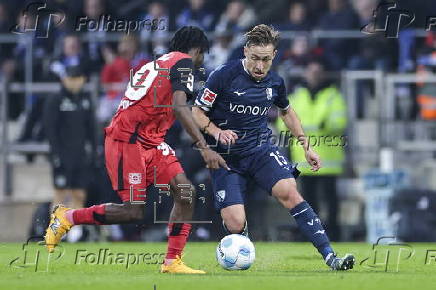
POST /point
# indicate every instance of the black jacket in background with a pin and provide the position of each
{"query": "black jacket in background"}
(70, 127)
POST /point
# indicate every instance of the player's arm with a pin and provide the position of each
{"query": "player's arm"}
(293, 123)
(205, 101)
(226, 137)
(184, 115)
(181, 89)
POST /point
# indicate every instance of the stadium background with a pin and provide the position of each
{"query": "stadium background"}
(390, 171)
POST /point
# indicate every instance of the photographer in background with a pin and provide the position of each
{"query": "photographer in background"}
(70, 128)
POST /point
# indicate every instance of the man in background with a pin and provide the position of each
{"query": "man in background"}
(70, 128)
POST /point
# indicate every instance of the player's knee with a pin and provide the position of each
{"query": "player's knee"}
(290, 199)
(287, 193)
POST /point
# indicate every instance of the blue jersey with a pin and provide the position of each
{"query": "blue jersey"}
(233, 100)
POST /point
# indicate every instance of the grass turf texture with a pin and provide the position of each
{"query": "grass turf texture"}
(277, 266)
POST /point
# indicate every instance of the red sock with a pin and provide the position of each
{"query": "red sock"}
(93, 215)
(177, 237)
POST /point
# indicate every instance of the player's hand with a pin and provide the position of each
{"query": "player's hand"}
(226, 137)
(313, 159)
(213, 160)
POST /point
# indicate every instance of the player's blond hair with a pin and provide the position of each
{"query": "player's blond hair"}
(262, 34)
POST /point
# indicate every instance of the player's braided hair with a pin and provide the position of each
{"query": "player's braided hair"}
(262, 34)
(189, 37)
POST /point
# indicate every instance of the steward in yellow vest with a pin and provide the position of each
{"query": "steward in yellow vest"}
(323, 116)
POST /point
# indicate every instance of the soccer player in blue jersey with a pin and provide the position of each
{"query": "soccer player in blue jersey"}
(232, 112)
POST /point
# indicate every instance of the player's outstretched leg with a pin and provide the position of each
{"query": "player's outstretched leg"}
(63, 218)
(309, 223)
(179, 227)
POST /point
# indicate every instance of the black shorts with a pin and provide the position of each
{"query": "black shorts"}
(70, 176)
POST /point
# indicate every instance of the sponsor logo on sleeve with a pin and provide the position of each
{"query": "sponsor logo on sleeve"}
(208, 97)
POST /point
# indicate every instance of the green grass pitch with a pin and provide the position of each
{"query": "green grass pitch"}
(277, 266)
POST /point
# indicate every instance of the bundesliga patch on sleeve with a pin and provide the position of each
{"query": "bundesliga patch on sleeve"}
(208, 97)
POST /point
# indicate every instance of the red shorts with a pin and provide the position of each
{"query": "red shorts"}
(132, 168)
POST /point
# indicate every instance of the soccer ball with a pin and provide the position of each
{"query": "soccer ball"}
(235, 252)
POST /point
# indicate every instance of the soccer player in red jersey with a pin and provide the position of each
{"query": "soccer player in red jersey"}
(136, 154)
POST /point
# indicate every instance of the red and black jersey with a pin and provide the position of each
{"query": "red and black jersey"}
(145, 112)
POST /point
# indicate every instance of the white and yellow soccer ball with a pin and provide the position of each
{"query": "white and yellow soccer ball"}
(235, 252)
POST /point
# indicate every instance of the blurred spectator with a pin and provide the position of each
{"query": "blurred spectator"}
(296, 21)
(295, 58)
(95, 48)
(5, 23)
(373, 54)
(71, 55)
(70, 128)
(426, 64)
(196, 15)
(7, 64)
(270, 12)
(299, 53)
(365, 10)
(116, 74)
(315, 10)
(323, 114)
(17, 70)
(219, 52)
(338, 17)
(156, 38)
(39, 48)
(237, 17)
(297, 18)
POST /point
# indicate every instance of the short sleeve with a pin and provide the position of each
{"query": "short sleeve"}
(282, 101)
(181, 76)
(211, 90)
